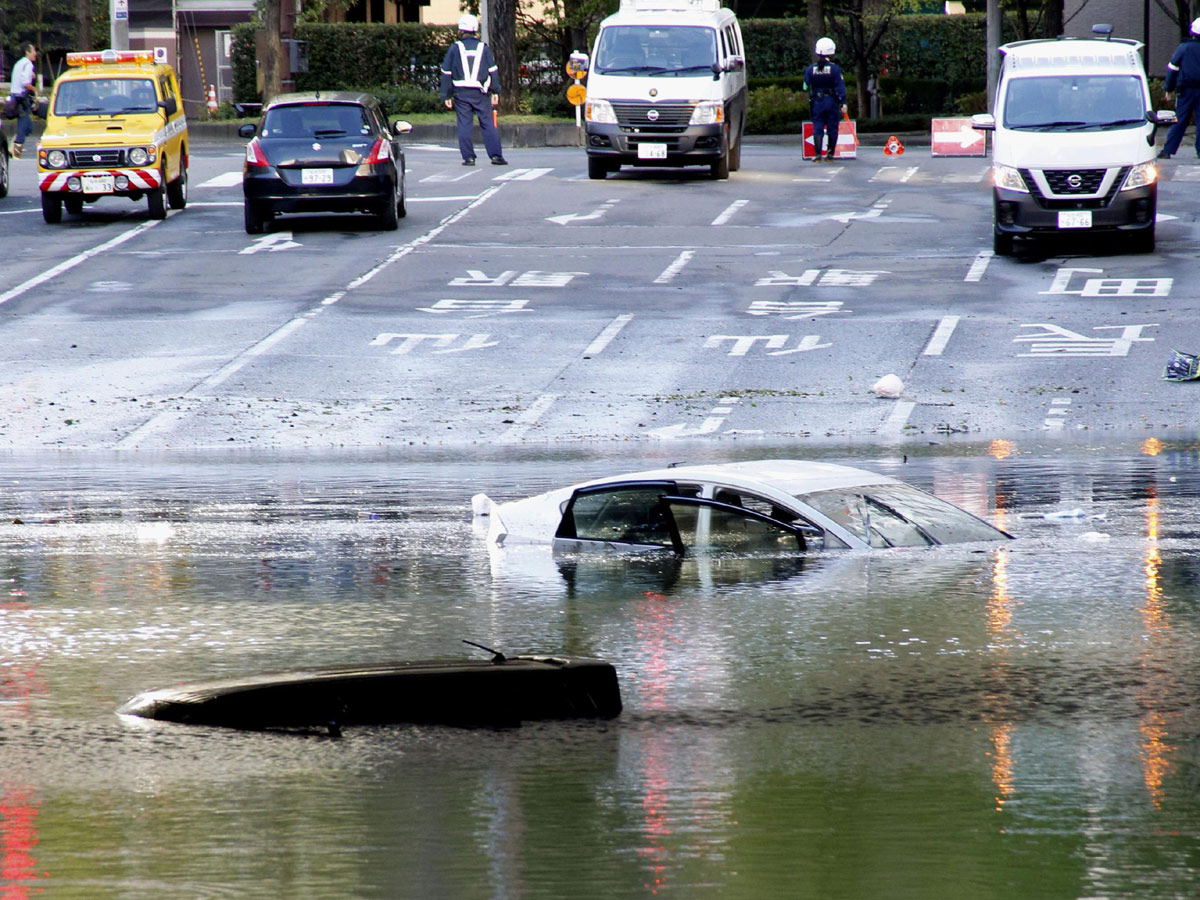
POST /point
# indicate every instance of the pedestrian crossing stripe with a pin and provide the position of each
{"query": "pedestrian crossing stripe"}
(522, 174)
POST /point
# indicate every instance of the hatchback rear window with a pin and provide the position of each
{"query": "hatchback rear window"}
(316, 121)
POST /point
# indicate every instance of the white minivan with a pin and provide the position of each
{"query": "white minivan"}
(1073, 143)
(666, 87)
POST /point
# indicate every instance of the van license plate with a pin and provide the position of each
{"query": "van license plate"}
(1081, 218)
(98, 184)
(652, 151)
(316, 176)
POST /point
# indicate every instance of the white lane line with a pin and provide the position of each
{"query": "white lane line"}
(237, 203)
(522, 175)
(437, 199)
(68, 264)
(226, 179)
(941, 336)
(19, 212)
(898, 418)
(605, 337)
(528, 418)
(669, 273)
(235, 365)
(979, 266)
(729, 212)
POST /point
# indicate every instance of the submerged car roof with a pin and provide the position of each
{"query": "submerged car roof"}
(793, 476)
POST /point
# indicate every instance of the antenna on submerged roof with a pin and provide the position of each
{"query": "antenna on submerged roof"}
(497, 656)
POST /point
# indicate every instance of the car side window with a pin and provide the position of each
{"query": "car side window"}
(891, 530)
(727, 530)
(628, 515)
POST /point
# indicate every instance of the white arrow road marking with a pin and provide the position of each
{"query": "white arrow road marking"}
(714, 420)
(279, 240)
(873, 213)
(578, 217)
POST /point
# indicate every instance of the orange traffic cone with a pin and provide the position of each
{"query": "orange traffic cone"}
(212, 100)
(893, 147)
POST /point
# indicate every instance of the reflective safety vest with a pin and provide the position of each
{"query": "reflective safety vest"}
(472, 61)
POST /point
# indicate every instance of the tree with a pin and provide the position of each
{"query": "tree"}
(859, 26)
(1180, 12)
(815, 22)
(272, 50)
(502, 36)
(1038, 18)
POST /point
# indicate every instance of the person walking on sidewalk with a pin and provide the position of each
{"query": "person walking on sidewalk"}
(827, 97)
(23, 91)
(1183, 71)
(469, 78)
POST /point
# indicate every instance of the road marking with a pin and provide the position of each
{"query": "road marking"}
(226, 179)
(596, 347)
(979, 266)
(1059, 408)
(528, 418)
(448, 176)
(941, 336)
(439, 199)
(1058, 341)
(237, 203)
(583, 217)
(712, 422)
(278, 240)
(19, 212)
(894, 174)
(873, 213)
(729, 212)
(68, 264)
(897, 419)
(669, 273)
(522, 175)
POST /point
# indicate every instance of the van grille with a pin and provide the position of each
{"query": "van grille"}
(666, 117)
(92, 159)
(1067, 196)
(1060, 180)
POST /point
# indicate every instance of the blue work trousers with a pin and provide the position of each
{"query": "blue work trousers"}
(1185, 106)
(469, 104)
(826, 115)
(24, 118)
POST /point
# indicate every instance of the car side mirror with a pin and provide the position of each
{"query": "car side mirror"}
(400, 127)
(1162, 117)
(247, 131)
(736, 64)
(168, 106)
(983, 122)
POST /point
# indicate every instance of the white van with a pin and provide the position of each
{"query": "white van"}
(666, 87)
(1073, 143)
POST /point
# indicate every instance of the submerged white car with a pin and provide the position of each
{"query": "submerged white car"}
(765, 506)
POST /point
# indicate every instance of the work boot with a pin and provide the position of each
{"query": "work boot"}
(499, 161)
(469, 161)
(16, 150)
(1163, 154)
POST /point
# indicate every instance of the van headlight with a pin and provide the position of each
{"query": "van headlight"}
(1140, 176)
(601, 112)
(138, 156)
(56, 159)
(708, 112)
(1008, 178)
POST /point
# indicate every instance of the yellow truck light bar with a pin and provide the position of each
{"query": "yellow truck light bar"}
(93, 57)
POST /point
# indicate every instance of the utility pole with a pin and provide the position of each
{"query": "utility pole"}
(118, 22)
(993, 50)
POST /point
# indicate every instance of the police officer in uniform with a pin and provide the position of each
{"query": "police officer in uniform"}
(1183, 71)
(827, 96)
(469, 78)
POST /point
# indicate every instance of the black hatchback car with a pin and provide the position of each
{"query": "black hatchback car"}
(323, 152)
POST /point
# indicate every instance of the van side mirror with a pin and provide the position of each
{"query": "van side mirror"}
(247, 131)
(736, 64)
(1162, 117)
(983, 122)
(400, 127)
(168, 106)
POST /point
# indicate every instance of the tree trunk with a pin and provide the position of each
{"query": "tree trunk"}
(83, 24)
(272, 50)
(815, 25)
(1053, 18)
(502, 36)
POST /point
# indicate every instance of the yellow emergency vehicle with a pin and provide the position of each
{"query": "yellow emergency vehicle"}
(115, 128)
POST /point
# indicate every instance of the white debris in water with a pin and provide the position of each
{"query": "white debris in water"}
(481, 505)
(889, 387)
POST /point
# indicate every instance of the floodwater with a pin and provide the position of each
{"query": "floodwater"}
(1021, 721)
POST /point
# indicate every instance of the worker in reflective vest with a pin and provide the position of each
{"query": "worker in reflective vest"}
(1183, 76)
(827, 96)
(469, 79)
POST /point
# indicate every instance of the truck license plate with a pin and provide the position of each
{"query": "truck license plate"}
(652, 151)
(98, 184)
(1075, 218)
(316, 176)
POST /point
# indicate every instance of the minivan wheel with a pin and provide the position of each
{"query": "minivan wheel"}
(735, 155)
(1002, 243)
(177, 190)
(597, 169)
(1144, 243)
(51, 208)
(720, 169)
(156, 200)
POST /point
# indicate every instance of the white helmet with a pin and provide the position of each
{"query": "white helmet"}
(826, 47)
(468, 23)
(1195, 26)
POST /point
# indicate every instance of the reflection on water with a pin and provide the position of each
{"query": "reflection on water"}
(1006, 722)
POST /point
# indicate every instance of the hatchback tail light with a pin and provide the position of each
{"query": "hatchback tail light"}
(381, 152)
(255, 155)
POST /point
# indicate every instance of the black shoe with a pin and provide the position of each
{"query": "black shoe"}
(499, 161)
(469, 161)
(1165, 155)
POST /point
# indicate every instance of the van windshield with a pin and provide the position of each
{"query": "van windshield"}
(656, 50)
(105, 96)
(1074, 103)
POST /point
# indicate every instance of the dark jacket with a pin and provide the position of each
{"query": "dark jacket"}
(824, 79)
(1183, 71)
(456, 76)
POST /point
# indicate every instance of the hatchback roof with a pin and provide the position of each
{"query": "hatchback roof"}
(323, 97)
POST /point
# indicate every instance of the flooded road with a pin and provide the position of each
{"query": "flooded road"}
(1004, 723)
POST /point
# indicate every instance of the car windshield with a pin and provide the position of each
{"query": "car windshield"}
(899, 515)
(105, 96)
(316, 120)
(632, 50)
(1074, 102)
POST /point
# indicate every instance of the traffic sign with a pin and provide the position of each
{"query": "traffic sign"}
(576, 94)
(847, 141)
(956, 137)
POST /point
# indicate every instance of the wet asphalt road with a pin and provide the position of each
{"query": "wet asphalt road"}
(528, 304)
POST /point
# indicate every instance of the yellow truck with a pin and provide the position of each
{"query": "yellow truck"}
(115, 128)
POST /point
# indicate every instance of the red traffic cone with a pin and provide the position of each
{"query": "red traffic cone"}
(893, 147)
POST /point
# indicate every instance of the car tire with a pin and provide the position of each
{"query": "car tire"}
(402, 203)
(597, 169)
(720, 169)
(1144, 243)
(735, 154)
(156, 200)
(51, 208)
(389, 218)
(73, 204)
(252, 218)
(1002, 243)
(177, 190)
(4, 170)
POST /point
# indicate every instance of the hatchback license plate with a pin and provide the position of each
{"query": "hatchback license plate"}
(652, 151)
(1075, 218)
(98, 184)
(316, 176)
